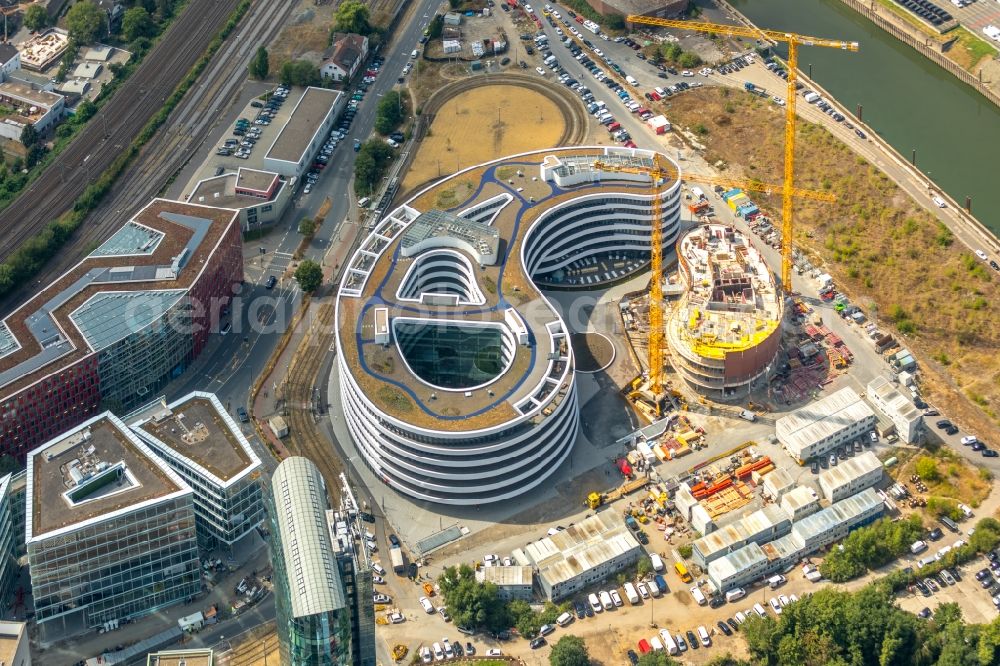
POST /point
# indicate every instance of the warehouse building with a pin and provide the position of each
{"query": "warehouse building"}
(581, 555)
(817, 429)
(851, 476)
(110, 530)
(753, 561)
(300, 139)
(906, 418)
(760, 526)
(198, 438)
(514, 582)
(800, 502)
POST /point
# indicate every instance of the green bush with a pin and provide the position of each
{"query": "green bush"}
(871, 547)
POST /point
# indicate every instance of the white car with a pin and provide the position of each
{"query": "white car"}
(981, 255)
(425, 655)
(540, 71)
(641, 589)
(438, 654)
(426, 604)
(307, 189)
(777, 100)
(489, 559)
(494, 652)
(783, 600)
(616, 598)
(595, 603)
(775, 605)
(396, 617)
(687, 73)
(508, 561)
(448, 652)
(383, 599)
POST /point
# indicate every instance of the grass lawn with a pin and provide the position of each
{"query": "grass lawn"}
(975, 49)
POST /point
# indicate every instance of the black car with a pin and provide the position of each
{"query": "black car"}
(951, 430)
(994, 265)
(935, 534)
(589, 610)
(643, 539)
(633, 658)
(923, 588)
(692, 640)
(256, 104)
(982, 574)
(394, 540)
(733, 624)
(469, 649)
(989, 453)
(943, 423)
(672, 71)
(717, 602)
(457, 647)
(724, 628)
(271, 281)
(814, 466)
(860, 134)
(537, 643)
(581, 610)
(924, 613)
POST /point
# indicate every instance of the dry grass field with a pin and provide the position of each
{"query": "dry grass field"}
(880, 245)
(483, 124)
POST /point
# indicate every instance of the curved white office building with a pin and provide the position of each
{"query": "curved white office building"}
(456, 373)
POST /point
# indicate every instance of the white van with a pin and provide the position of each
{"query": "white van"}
(606, 600)
(377, 568)
(669, 644)
(631, 594)
(547, 629)
(595, 605)
(776, 581)
(811, 97)
(426, 604)
(363, 202)
(656, 562)
(414, 54)
(760, 610)
(747, 415)
(654, 589)
(631, 81)
(703, 635)
(735, 594)
(564, 619)
(698, 596)
(655, 643)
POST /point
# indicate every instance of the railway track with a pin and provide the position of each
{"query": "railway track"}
(175, 143)
(304, 436)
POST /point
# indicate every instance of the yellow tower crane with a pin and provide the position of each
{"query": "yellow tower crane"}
(794, 41)
(660, 172)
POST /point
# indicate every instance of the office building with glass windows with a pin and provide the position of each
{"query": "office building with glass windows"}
(110, 530)
(313, 616)
(456, 373)
(8, 539)
(113, 330)
(355, 564)
(201, 442)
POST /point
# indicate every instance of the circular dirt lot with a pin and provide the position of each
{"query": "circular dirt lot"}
(593, 351)
(484, 122)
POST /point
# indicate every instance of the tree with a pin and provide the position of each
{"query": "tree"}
(352, 16)
(689, 60)
(29, 136)
(644, 567)
(309, 275)
(370, 165)
(307, 226)
(85, 22)
(259, 66)
(656, 659)
(137, 23)
(300, 73)
(615, 21)
(35, 17)
(927, 469)
(473, 605)
(390, 112)
(671, 51)
(569, 651)
(436, 27)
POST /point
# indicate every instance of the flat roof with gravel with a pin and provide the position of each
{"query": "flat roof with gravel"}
(304, 122)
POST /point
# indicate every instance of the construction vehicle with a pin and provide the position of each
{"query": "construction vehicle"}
(428, 589)
(396, 555)
(596, 499)
(683, 572)
(751, 88)
(398, 652)
(661, 172)
(793, 41)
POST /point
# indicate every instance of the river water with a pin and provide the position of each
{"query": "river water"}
(911, 102)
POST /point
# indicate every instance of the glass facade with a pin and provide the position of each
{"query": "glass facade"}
(304, 572)
(8, 560)
(124, 567)
(452, 356)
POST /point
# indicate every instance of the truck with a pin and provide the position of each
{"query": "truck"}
(756, 90)
(682, 572)
(396, 556)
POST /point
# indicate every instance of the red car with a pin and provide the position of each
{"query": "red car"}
(644, 646)
(629, 144)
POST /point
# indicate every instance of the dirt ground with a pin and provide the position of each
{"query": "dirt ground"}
(483, 124)
(307, 33)
(880, 245)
